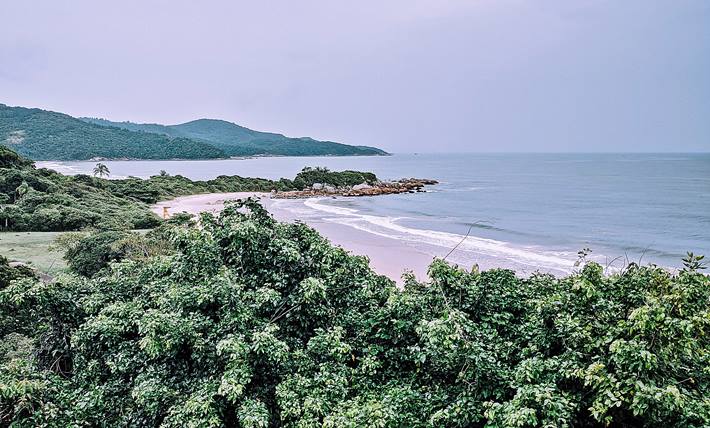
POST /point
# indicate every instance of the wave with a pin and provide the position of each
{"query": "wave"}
(59, 167)
(312, 203)
(473, 245)
(67, 169)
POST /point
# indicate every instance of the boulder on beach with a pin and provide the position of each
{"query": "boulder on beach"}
(361, 186)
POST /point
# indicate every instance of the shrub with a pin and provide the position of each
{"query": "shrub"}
(309, 176)
(10, 273)
(251, 322)
(95, 251)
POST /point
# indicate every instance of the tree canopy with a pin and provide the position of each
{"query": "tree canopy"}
(245, 321)
(47, 135)
(237, 140)
(43, 200)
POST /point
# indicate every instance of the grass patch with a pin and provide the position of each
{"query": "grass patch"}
(32, 248)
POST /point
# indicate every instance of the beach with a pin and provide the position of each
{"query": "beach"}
(389, 257)
(528, 213)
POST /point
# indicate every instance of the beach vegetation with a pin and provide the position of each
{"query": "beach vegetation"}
(101, 170)
(246, 321)
(40, 199)
(310, 176)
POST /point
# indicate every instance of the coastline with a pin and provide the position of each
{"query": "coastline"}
(387, 256)
(407, 250)
(264, 156)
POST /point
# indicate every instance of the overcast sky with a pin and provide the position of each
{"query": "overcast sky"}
(403, 75)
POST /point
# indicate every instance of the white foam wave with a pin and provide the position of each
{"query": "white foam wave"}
(313, 203)
(59, 167)
(388, 227)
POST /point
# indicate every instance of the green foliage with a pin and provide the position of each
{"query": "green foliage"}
(45, 135)
(88, 253)
(237, 140)
(10, 273)
(10, 159)
(164, 186)
(693, 262)
(309, 176)
(101, 170)
(94, 252)
(43, 200)
(250, 322)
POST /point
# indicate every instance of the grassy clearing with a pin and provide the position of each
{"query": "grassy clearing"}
(32, 248)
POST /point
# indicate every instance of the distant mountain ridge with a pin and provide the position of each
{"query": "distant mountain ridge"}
(236, 140)
(47, 135)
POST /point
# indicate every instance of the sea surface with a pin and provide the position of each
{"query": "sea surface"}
(525, 211)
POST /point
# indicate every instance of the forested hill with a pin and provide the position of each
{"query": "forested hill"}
(236, 140)
(46, 135)
(39, 199)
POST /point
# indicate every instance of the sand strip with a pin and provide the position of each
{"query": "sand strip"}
(387, 256)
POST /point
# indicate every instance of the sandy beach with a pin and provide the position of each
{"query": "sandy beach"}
(387, 256)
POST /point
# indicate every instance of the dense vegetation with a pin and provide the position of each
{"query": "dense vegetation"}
(44, 200)
(46, 135)
(310, 176)
(11, 273)
(249, 322)
(237, 140)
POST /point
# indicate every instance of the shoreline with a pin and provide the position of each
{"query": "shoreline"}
(246, 157)
(389, 257)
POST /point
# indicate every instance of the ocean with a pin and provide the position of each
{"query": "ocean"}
(523, 211)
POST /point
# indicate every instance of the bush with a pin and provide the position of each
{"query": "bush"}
(309, 176)
(251, 322)
(95, 251)
(10, 273)
(53, 202)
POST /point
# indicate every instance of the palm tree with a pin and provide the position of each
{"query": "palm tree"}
(101, 170)
(22, 190)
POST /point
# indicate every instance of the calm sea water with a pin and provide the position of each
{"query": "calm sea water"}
(523, 210)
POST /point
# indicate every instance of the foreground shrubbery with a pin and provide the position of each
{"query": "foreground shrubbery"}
(254, 323)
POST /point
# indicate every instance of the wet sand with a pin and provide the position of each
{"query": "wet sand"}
(388, 257)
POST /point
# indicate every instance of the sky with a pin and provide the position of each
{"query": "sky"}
(403, 75)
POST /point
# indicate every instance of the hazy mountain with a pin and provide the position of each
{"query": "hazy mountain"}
(46, 135)
(236, 140)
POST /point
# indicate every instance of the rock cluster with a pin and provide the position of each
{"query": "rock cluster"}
(406, 185)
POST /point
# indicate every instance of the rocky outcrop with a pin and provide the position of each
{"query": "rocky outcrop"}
(406, 185)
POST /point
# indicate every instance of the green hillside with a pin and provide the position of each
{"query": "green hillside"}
(237, 140)
(42, 200)
(45, 135)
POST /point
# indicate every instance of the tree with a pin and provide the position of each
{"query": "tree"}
(101, 170)
(22, 190)
(94, 252)
(255, 323)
